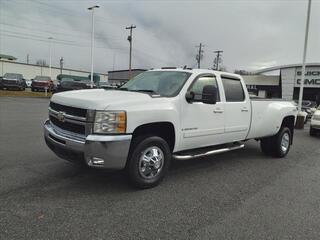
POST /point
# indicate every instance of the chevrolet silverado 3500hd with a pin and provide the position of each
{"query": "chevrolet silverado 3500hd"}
(161, 115)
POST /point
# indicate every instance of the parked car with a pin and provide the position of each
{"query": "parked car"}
(307, 106)
(68, 83)
(28, 83)
(42, 83)
(107, 85)
(13, 81)
(161, 115)
(315, 123)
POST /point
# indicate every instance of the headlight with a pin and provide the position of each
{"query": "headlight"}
(110, 122)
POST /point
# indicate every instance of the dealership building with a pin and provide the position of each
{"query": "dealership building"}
(29, 71)
(284, 82)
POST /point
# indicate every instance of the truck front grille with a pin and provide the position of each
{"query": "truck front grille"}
(68, 118)
(79, 112)
(68, 126)
(9, 82)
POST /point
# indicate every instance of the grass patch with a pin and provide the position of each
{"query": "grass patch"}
(7, 93)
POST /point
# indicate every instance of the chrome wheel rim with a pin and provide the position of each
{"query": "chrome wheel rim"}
(151, 162)
(285, 142)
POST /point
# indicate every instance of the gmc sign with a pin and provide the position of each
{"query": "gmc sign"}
(312, 78)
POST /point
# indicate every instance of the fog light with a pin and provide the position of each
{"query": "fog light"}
(97, 161)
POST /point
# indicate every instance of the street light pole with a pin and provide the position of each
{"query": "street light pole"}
(50, 54)
(92, 41)
(304, 57)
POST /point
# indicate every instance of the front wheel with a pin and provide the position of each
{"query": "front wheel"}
(278, 145)
(148, 161)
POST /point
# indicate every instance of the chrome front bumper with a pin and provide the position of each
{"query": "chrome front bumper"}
(101, 151)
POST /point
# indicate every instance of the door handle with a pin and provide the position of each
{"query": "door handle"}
(218, 110)
(244, 110)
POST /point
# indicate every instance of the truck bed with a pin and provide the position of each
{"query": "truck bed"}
(267, 116)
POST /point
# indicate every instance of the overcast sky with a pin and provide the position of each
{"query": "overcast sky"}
(253, 34)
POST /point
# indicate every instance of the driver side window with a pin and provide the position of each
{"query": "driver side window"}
(198, 85)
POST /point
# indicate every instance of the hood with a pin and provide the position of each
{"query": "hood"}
(41, 81)
(74, 84)
(100, 99)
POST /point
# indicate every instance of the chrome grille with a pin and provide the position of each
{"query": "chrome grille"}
(80, 112)
(68, 118)
(9, 82)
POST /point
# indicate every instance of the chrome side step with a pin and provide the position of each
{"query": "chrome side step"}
(206, 152)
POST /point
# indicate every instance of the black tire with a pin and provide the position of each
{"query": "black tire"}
(134, 166)
(312, 132)
(272, 146)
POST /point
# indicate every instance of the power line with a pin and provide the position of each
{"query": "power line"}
(57, 42)
(33, 35)
(59, 33)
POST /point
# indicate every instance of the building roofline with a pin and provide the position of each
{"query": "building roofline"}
(8, 57)
(66, 69)
(269, 69)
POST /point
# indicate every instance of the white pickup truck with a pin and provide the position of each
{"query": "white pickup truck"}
(161, 115)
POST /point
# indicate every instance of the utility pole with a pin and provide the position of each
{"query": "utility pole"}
(217, 60)
(92, 41)
(61, 65)
(28, 58)
(304, 57)
(130, 53)
(200, 54)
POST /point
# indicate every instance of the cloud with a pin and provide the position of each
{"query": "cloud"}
(252, 34)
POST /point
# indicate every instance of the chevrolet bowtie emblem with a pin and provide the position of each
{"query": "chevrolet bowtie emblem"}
(61, 116)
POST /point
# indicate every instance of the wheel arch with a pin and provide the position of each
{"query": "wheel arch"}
(288, 122)
(165, 130)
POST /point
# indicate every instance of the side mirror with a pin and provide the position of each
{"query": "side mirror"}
(190, 96)
(209, 94)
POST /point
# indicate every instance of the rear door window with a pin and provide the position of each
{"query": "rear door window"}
(233, 89)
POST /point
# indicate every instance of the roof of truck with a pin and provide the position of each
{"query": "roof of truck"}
(198, 71)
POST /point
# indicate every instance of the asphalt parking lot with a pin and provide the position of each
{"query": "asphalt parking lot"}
(237, 195)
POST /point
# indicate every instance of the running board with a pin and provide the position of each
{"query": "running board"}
(186, 155)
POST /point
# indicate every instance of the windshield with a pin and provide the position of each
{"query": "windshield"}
(164, 83)
(11, 75)
(42, 78)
